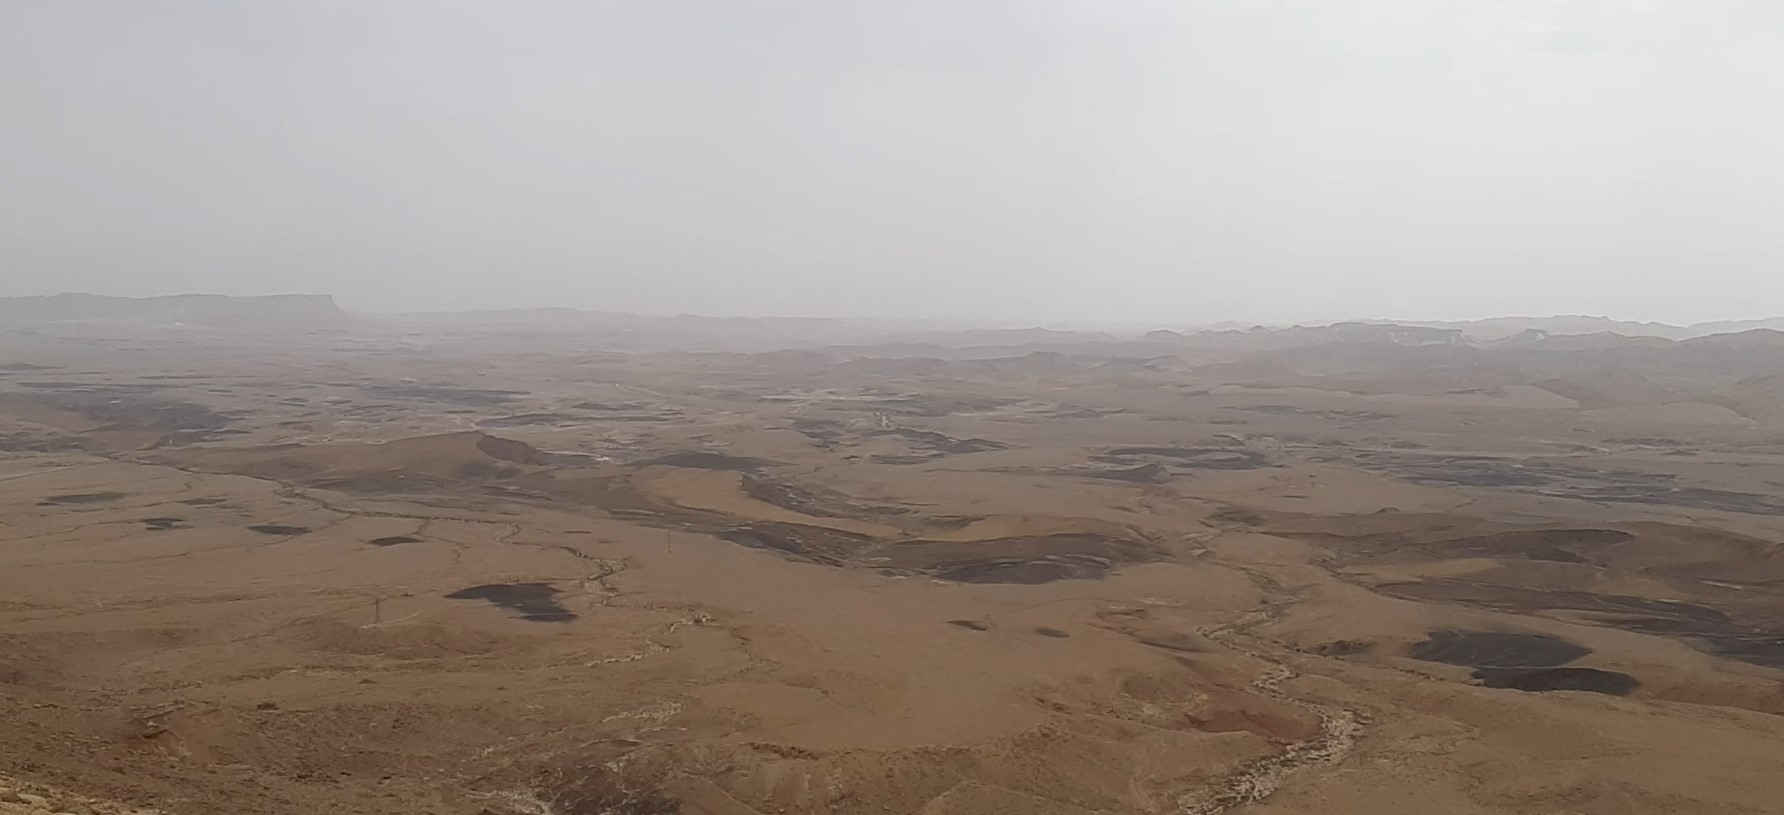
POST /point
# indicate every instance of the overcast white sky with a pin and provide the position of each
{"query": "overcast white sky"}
(1170, 161)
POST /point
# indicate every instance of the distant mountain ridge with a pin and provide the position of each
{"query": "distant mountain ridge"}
(578, 328)
(272, 312)
(1501, 328)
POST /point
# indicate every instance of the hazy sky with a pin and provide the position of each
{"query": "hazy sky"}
(1171, 161)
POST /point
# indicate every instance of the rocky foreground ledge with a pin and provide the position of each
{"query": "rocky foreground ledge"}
(30, 799)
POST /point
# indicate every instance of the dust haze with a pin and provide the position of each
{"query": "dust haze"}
(268, 555)
(1264, 161)
(1226, 408)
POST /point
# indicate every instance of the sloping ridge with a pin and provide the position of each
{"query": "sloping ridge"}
(518, 452)
(1754, 338)
(437, 460)
(1759, 397)
(1609, 387)
(1598, 341)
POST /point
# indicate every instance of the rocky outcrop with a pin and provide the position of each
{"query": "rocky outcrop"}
(23, 799)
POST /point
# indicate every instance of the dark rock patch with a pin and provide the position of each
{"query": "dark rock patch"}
(1025, 571)
(109, 388)
(1559, 480)
(1330, 415)
(814, 543)
(1152, 473)
(815, 501)
(1765, 649)
(1340, 648)
(1490, 649)
(1051, 632)
(163, 524)
(466, 397)
(536, 602)
(1591, 680)
(937, 405)
(1183, 643)
(1734, 640)
(393, 540)
(121, 407)
(976, 625)
(276, 529)
(1202, 458)
(1525, 600)
(79, 498)
(793, 497)
(1029, 559)
(1695, 497)
(1554, 545)
(941, 442)
(518, 452)
(32, 443)
(914, 458)
(526, 419)
(605, 407)
(706, 460)
(1464, 471)
(1648, 441)
(826, 432)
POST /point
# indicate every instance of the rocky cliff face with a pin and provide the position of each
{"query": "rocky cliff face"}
(277, 312)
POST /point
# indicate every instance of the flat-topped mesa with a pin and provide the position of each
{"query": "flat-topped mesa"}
(283, 312)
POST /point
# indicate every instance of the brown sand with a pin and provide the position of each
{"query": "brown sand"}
(733, 584)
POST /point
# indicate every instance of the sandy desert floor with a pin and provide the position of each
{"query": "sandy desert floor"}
(400, 579)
